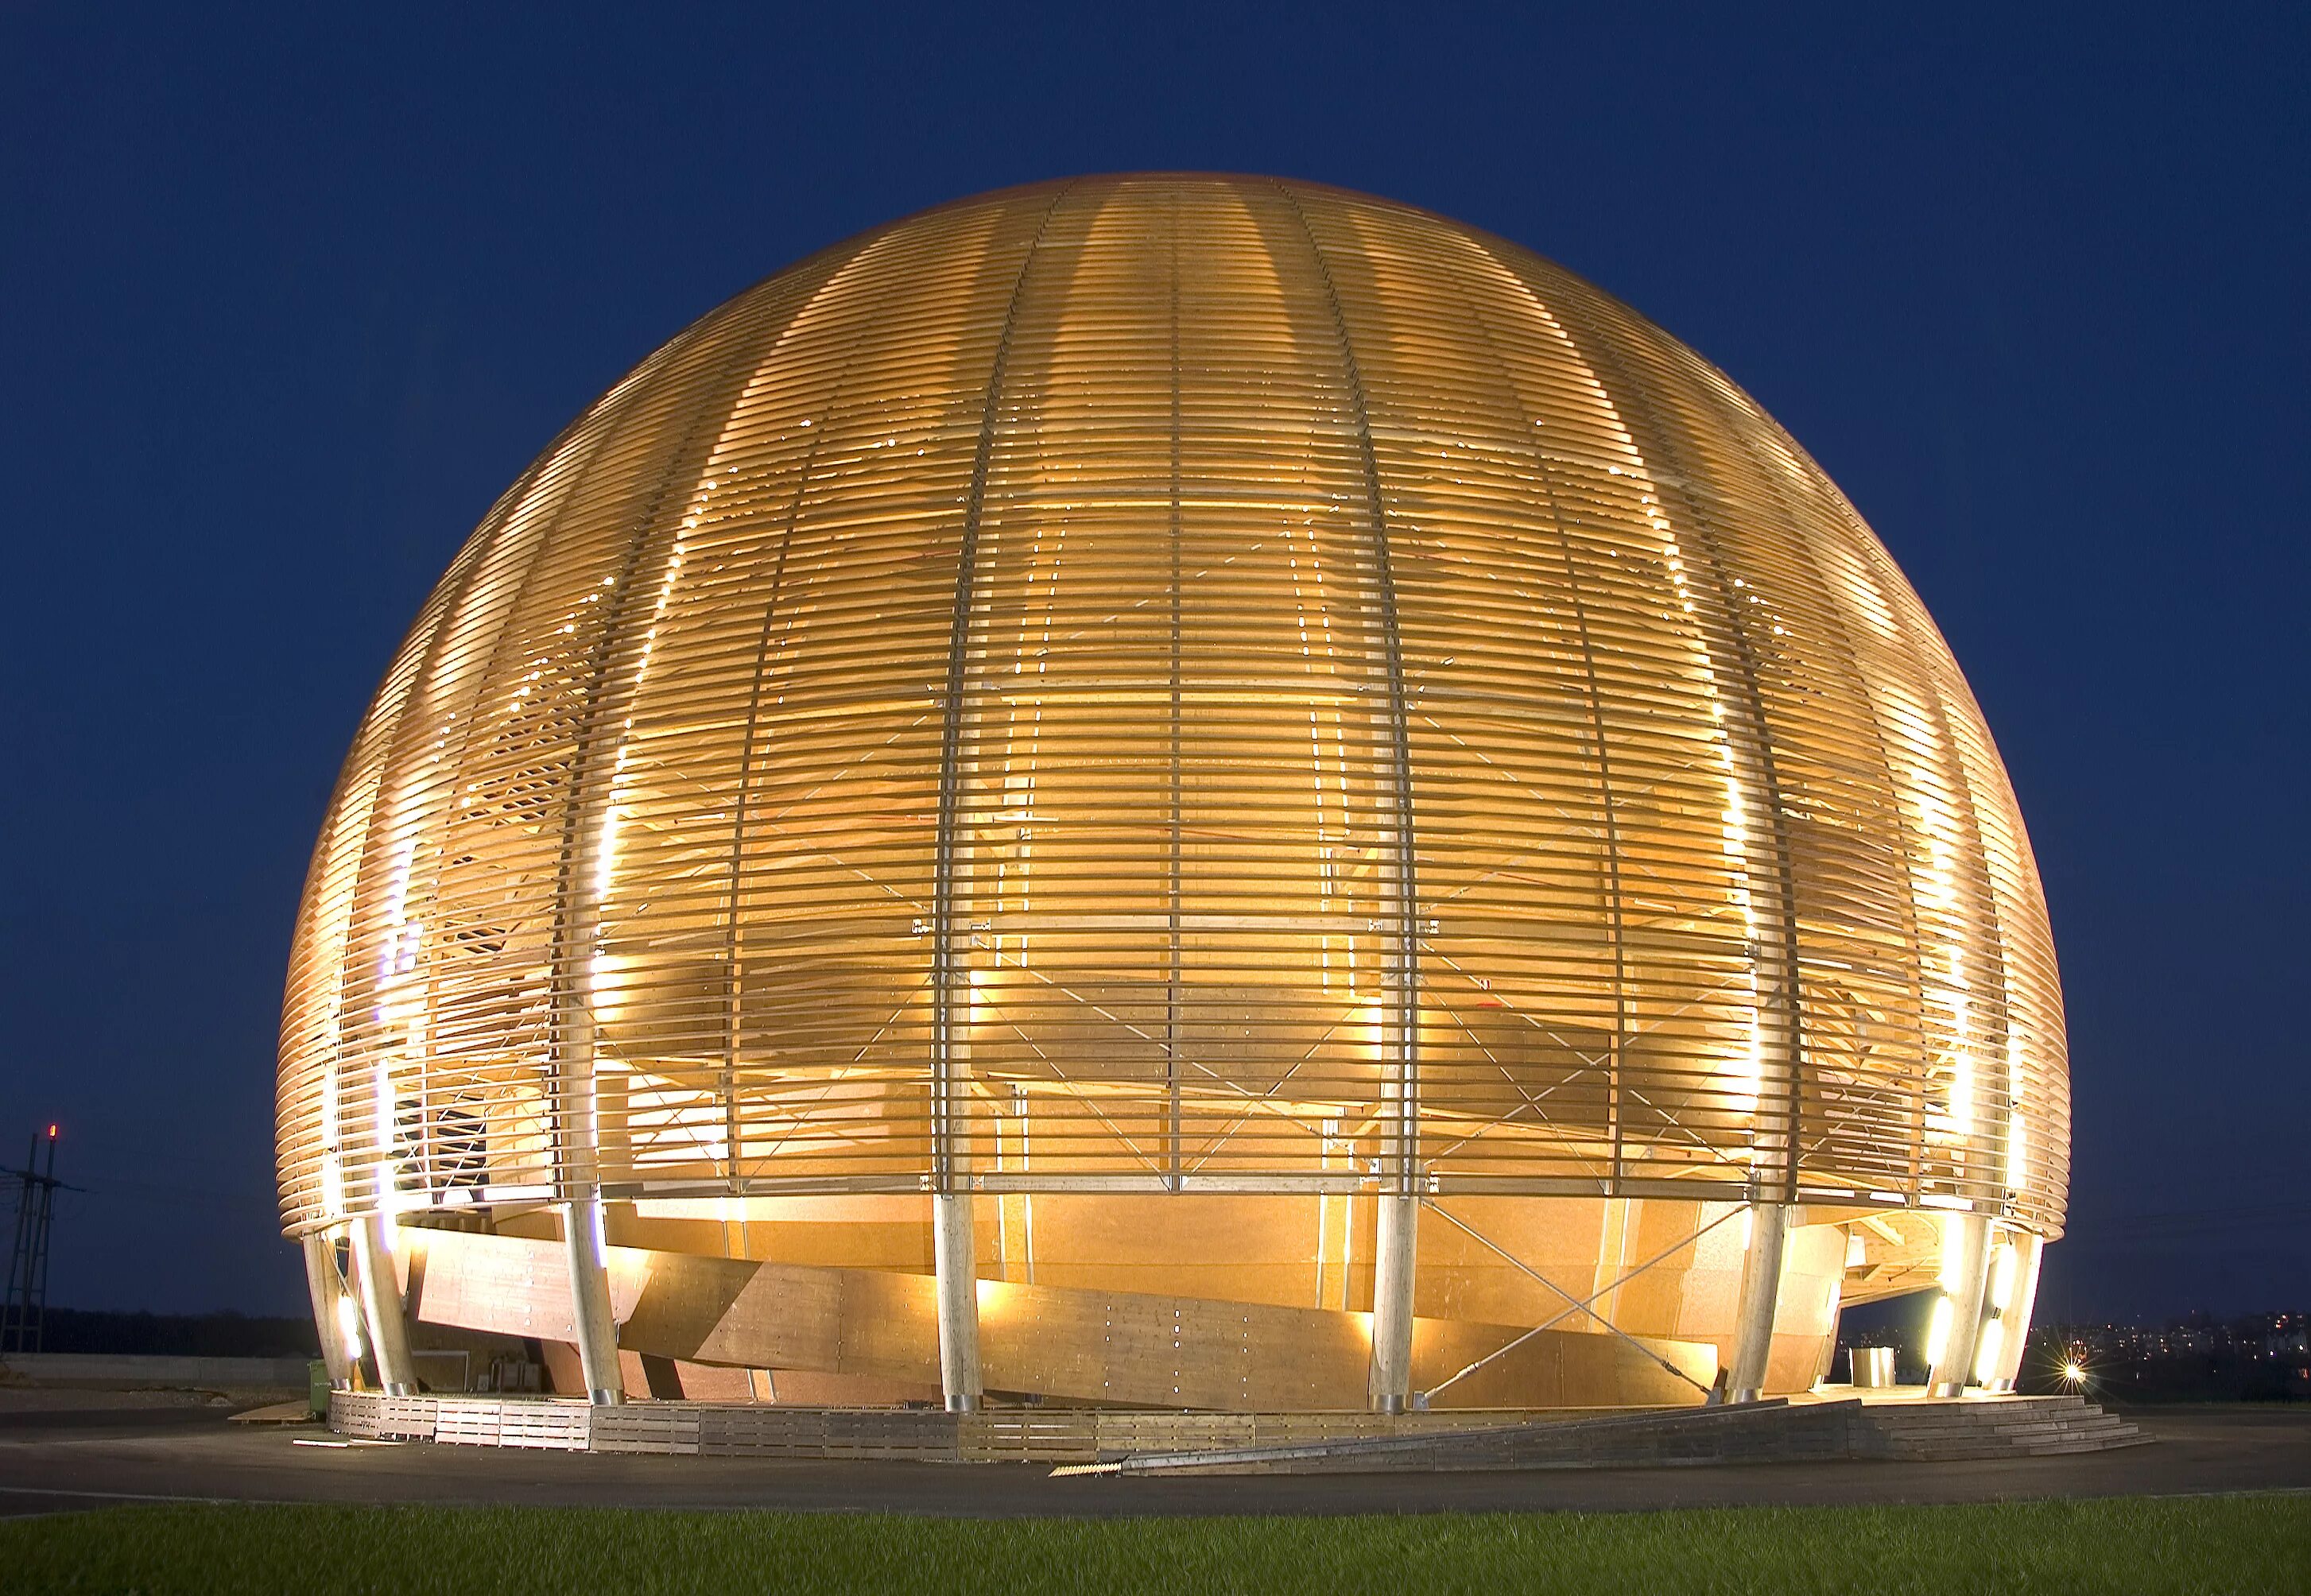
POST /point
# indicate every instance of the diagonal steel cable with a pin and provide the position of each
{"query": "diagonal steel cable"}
(1580, 1306)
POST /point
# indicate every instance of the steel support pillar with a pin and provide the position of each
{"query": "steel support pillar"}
(2013, 1294)
(336, 1315)
(1966, 1268)
(1397, 891)
(955, 1255)
(381, 1310)
(1761, 1289)
(1395, 1235)
(2031, 1254)
(582, 1232)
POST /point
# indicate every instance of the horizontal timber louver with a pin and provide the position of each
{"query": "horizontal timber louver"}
(1345, 642)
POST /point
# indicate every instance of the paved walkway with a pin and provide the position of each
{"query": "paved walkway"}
(61, 1451)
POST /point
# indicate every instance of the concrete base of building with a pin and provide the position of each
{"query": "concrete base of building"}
(1152, 1442)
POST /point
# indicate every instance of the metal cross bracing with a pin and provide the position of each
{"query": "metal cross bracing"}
(23, 1316)
(1583, 1305)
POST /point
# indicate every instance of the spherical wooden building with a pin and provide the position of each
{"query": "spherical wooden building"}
(1182, 790)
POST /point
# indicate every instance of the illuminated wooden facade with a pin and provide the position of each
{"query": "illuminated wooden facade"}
(1151, 690)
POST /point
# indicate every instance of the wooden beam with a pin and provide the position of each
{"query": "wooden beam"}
(1126, 1347)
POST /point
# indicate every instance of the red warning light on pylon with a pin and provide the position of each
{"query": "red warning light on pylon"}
(52, 1133)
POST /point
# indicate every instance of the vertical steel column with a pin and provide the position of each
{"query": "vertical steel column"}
(590, 814)
(380, 1297)
(577, 1121)
(1390, 1380)
(1172, 1158)
(327, 1288)
(1397, 1224)
(577, 1146)
(1392, 1324)
(1761, 1289)
(1966, 1268)
(1754, 794)
(954, 1254)
(2014, 1313)
(955, 1248)
(585, 1245)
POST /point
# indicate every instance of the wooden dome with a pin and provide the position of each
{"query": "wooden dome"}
(1172, 684)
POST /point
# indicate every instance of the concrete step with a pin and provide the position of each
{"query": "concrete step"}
(2025, 1428)
(1990, 1438)
(2069, 1426)
(1772, 1432)
(2068, 1448)
(1982, 1424)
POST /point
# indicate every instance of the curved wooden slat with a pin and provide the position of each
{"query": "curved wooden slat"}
(1091, 722)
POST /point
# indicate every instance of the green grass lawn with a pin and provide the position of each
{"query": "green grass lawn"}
(2227, 1544)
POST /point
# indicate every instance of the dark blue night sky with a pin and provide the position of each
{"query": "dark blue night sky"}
(287, 303)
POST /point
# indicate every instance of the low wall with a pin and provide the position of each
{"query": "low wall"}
(925, 1434)
(1148, 1442)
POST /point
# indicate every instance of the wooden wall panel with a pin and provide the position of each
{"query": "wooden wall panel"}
(1122, 1347)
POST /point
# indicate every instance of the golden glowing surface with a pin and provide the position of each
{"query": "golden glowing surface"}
(1149, 684)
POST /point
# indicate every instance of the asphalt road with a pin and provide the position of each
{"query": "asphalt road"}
(62, 1451)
